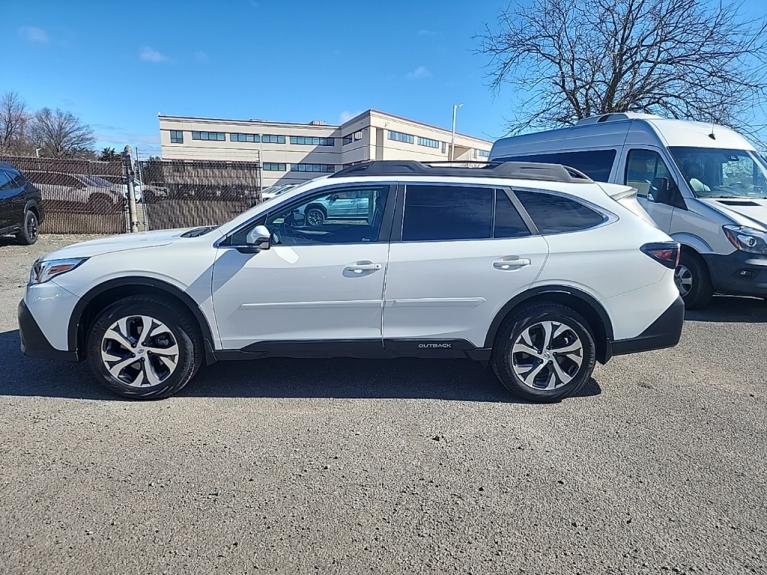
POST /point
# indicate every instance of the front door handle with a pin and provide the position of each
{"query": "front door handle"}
(511, 263)
(362, 267)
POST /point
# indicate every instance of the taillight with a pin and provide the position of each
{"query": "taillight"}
(666, 253)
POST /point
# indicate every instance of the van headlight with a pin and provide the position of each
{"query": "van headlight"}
(747, 239)
(44, 270)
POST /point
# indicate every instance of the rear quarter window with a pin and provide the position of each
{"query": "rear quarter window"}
(555, 214)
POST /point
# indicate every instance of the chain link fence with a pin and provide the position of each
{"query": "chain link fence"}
(91, 197)
(185, 193)
(79, 196)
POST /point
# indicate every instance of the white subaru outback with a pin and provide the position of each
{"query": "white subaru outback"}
(533, 268)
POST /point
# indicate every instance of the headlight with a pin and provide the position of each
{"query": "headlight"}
(747, 239)
(44, 270)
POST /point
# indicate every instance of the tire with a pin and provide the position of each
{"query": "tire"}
(315, 217)
(529, 324)
(29, 229)
(170, 323)
(693, 281)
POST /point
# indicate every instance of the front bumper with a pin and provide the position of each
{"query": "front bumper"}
(738, 273)
(34, 342)
(663, 332)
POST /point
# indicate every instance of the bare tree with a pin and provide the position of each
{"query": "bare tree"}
(572, 59)
(13, 121)
(59, 134)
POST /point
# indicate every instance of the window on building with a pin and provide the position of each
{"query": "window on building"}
(312, 141)
(250, 138)
(215, 136)
(508, 223)
(428, 142)
(447, 213)
(444, 147)
(555, 214)
(644, 171)
(272, 139)
(483, 153)
(356, 136)
(400, 137)
(176, 137)
(325, 168)
(275, 167)
(596, 164)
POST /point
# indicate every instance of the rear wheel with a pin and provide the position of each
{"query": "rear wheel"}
(544, 353)
(144, 347)
(315, 217)
(29, 229)
(692, 280)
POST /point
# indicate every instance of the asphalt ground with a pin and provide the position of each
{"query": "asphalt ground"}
(402, 466)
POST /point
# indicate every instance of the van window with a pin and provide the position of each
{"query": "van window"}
(596, 164)
(555, 214)
(435, 212)
(722, 173)
(645, 169)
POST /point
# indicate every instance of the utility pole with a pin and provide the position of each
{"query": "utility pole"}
(452, 138)
(131, 198)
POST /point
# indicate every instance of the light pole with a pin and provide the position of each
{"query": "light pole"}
(452, 138)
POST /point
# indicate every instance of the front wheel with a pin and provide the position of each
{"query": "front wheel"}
(693, 282)
(29, 229)
(544, 353)
(144, 347)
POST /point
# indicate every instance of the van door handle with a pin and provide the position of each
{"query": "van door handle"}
(511, 263)
(362, 267)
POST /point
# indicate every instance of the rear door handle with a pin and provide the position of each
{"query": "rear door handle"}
(362, 267)
(511, 263)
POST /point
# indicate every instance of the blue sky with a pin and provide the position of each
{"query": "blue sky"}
(117, 65)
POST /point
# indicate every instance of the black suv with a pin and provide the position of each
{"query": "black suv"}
(21, 206)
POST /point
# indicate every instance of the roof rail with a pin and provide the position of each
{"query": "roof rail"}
(510, 170)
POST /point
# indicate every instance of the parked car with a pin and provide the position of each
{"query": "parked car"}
(704, 185)
(95, 193)
(274, 191)
(535, 269)
(21, 205)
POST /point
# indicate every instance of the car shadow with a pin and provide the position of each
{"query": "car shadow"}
(342, 378)
(731, 309)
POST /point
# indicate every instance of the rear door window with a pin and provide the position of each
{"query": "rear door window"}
(441, 212)
(556, 214)
(508, 223)
(6, 181)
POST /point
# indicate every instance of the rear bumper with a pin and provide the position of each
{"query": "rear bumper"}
(738, 273)
(34, 342)
(664, 332)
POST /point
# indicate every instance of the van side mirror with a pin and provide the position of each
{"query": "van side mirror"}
(665, 191)
(258, 239)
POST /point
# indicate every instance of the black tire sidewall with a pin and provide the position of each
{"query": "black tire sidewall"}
(183, 330)
(318, 210)
(23, 235)
(701, 291)
(520, 321)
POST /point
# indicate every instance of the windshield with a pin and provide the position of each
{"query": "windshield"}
(721, 173)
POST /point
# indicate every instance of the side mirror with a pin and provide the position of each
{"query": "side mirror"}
(258, 239)
(662, 191)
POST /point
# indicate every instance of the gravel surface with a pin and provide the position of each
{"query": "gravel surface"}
(406, 466)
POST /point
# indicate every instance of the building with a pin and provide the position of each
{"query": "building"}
(292, 152)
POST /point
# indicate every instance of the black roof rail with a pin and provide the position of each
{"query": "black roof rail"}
(511, 170)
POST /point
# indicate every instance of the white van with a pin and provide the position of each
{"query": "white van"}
(705, 185)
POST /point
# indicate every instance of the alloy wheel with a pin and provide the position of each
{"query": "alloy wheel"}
(683, 279)
(32, 226)
(139, 351)
(547, 355)
(315, 217)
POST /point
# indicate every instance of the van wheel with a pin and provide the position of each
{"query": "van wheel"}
(544, 353)
(29, 229)
(144, 347)
(693, 281)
